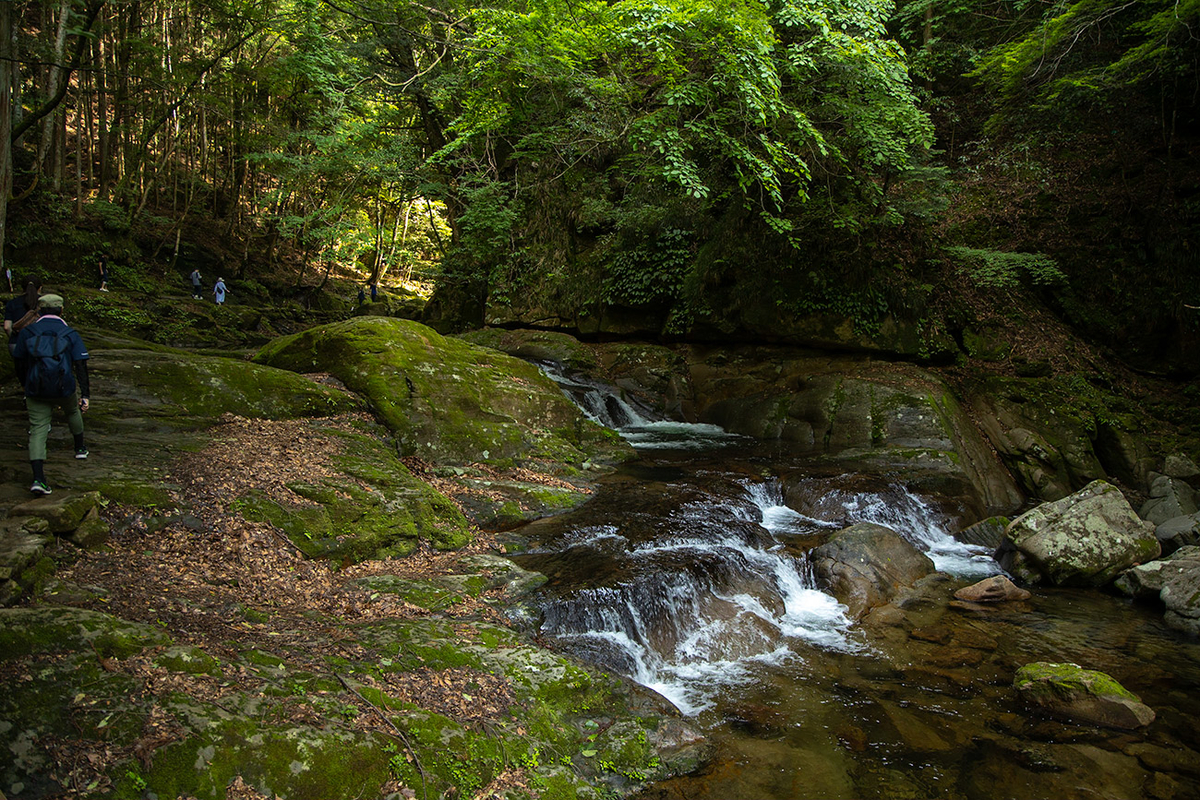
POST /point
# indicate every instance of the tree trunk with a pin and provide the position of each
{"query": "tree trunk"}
(102, 130)
(6, 81)
(53, 78)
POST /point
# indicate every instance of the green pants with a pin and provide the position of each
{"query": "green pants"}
(40, 411)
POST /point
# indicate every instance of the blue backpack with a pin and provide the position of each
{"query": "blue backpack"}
(49, 358)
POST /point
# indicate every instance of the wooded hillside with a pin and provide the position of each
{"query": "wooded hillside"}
(683, 161)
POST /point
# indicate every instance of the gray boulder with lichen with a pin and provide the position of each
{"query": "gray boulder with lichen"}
(1084, 539)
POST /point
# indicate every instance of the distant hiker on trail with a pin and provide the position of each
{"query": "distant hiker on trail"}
(22, 309)
(362, 295)
(52, 361)
(8, 274)
(374, 292)
(103, 265)
(196, 284)
(219, 290)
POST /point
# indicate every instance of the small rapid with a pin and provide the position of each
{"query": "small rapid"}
(689, 595)
(687, 602)
(637, 423)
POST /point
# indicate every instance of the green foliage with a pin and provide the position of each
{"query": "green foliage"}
(651, 272)
(686, 105)
(996, 269)
(1085, 51)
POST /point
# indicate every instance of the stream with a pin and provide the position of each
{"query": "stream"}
(688, 573)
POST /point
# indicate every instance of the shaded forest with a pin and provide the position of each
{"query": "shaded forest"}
(683, 163)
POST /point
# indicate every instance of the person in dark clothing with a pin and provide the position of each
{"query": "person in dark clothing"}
(103, 264)
(70, 392)
(22, 304)
(374, 292)
(362, 295)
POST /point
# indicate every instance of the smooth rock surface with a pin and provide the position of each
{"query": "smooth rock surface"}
(996, 589)
(866, 565)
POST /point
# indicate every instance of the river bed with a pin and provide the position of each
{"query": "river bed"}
(687, 573)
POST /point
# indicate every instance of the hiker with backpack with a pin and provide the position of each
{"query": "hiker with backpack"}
(52, 361)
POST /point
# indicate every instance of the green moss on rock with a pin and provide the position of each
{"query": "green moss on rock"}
(52, 629)
(445, 399)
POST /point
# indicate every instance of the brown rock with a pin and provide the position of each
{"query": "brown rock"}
(996, 589)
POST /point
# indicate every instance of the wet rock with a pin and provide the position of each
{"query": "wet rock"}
(1175, 581)
(1169, 498)
(866, 565)
(1085, 539)
(996, 589)
(1079, 695)
(1178, 532)
(916, 733)
(985, 533)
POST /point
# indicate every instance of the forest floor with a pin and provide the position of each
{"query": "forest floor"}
(186, 576)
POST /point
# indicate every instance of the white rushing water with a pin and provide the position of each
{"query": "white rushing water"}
(639, 425)
(693, 605)
(916, 520)
(715, 594)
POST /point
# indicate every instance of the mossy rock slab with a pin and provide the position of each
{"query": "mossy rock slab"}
(375, 508)
(69, 696)
(498, 505)
(430, 595)
(182, 389)
(446, 400)
(64, 512)
(51, 629)
(281, 761)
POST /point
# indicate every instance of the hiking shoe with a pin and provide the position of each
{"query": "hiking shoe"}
(81, 453)
(40, 487)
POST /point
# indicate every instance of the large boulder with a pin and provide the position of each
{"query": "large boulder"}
(1169, 498)
(1069, 692)
(1085, 539)
(446, 400)
(866, 565)
(1175, 580)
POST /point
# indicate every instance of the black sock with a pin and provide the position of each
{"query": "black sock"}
(39, 473)
(79, 441)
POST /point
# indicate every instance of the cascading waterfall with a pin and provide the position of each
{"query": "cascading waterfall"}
(689, 572)
(918, 521)
(711, 593)
(687, 598)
